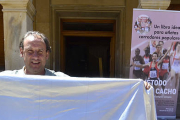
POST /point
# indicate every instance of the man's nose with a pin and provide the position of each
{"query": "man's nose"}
(35, 55)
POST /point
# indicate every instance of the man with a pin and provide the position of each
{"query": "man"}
(175, 68)
(161, 43)
(158, 51)
(35, 50)
(165, 67)
(147, 58)
(152, 46)
(138, 60)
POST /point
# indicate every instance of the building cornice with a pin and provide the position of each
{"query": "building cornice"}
(19, 6)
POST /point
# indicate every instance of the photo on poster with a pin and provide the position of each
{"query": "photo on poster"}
(142, 24)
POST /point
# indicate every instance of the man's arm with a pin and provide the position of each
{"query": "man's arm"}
(165, 54)
(142, 60)
(132, 62)
(141, 66)
(169, 64)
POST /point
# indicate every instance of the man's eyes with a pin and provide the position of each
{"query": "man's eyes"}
(38, 52)
(30, 51)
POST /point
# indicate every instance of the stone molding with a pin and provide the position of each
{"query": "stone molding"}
(87, 7)
(19, 6)
(155, 4)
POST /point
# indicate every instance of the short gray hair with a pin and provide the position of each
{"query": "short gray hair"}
(34, 33)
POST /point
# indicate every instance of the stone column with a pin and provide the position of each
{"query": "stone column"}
(18, 19)
(155, 4)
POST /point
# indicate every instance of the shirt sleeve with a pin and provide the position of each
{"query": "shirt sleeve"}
(60, 74)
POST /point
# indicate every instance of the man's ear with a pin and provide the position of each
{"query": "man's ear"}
(21, 52)
(47, 55)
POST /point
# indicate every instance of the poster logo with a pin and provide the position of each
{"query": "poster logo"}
(143, 24)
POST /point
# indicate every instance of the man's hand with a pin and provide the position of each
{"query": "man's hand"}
(147, 85)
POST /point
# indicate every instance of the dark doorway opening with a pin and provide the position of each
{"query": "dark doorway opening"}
(87, 56)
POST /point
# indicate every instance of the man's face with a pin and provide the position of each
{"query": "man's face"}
(158, 48)
(146, 52)
(178, 46)
(154, 57)
(161, 43)
(164, 51)
(137, 52)
(35, 55)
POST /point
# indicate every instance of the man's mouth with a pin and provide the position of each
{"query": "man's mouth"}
(35, 62)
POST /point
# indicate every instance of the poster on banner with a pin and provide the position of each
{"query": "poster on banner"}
(155, 56)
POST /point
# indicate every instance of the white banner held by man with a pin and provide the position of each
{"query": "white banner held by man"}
(52, 98)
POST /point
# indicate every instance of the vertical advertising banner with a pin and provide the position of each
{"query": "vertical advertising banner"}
(155, 56)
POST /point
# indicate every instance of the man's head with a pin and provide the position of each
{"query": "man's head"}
(158, 48)
(137, 51)
(154, 56)
(177, 46)
(161, 43)
(146, 50)
(164, 51)
(35, 49)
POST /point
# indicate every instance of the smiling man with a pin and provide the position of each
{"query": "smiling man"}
(35, 54)
(35, 50)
